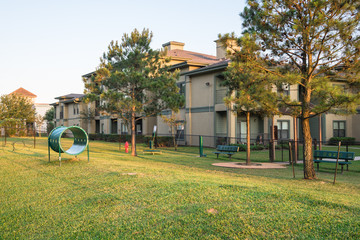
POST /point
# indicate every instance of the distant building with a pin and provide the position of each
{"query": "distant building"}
(70, 110)
(40, 108)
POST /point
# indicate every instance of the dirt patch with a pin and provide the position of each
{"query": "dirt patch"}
(251, 166)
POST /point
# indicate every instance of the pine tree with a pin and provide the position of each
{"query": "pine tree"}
(133, 81)
(318, 41)
(250, 87)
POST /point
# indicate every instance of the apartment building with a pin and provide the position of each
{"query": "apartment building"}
(205, 113)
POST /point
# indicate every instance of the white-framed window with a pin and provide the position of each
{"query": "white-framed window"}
(339, 128)
(283, 127)
(180, 130)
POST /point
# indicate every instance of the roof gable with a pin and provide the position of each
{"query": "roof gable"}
(23, 92)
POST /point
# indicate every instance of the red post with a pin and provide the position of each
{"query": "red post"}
(126, 147)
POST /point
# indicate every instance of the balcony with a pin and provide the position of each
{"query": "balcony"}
(220, 94)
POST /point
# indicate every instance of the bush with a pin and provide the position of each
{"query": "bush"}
(242, 147)
(160, 141)
(344, 140)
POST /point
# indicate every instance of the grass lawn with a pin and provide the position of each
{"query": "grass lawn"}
(176, 195)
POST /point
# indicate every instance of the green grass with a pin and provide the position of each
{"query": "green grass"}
(176, 195)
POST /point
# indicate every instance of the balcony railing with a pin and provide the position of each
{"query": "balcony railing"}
(220, 94)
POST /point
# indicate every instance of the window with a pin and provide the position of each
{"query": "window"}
(181, 87)
(283, 129)
(221, 90)
(180, 130)
(221, 124)
(339, 128)
(114, 126)
(124, 129)
(62, 112)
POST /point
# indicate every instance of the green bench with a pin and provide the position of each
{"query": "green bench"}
(346, 156)
(224, 149)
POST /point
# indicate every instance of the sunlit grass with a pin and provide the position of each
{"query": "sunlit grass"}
(168, 196)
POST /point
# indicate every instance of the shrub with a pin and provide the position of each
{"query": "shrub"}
(161, 141)
(242, 147)
(344, 140)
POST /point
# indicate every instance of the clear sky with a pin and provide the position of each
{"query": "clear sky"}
(46, 46)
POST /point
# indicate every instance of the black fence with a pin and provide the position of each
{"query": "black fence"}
(285, 149)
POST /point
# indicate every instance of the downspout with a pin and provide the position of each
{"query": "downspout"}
(190, 105)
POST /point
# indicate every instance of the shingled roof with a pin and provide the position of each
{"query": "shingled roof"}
(23, 92)
(192, 56)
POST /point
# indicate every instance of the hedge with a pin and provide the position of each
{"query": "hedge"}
(161, 141)
(344, 140)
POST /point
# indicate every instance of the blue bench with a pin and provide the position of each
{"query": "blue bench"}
(224, 149)
(344, 156)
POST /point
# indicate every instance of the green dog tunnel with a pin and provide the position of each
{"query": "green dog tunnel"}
(79, 145)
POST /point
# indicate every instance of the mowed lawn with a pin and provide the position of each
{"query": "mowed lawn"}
(176, 195)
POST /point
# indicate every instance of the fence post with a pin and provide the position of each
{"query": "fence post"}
(34, 134)
(201, 150)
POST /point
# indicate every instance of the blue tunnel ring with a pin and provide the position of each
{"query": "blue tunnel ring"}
(80, 140)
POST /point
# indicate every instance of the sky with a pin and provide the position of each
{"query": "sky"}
(46, 46)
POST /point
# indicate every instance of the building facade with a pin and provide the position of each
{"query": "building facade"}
(204, 113)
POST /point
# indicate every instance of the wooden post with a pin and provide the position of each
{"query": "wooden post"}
(273, 139)
(320, 133)
(119, 142)
(34, 134)
(295, 157)
(291, 159)
(337, 160)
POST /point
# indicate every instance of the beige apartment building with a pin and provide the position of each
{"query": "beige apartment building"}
(205, 113)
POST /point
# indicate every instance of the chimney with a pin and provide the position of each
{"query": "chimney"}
(221, 50)
(173, 45)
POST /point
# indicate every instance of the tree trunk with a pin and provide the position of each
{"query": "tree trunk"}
(133, 135)
(272, 155)
(309, 171)
(174, 137)
(248, 161)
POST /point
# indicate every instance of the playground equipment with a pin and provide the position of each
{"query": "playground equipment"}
(79, 145)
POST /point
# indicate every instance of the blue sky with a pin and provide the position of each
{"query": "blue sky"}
(46, 46)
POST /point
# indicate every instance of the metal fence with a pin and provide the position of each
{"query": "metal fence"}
(285, 149)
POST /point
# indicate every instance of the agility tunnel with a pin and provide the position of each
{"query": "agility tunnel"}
(81, 141)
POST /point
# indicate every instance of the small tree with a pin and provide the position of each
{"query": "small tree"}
(133, 81)
(49, 117)
(16, 111)
(173, 122)
(250, 88)
(87, 115)
(319, 42)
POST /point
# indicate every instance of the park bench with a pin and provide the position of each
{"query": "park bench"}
(152, 151)
(319, 155)
(224, 149)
